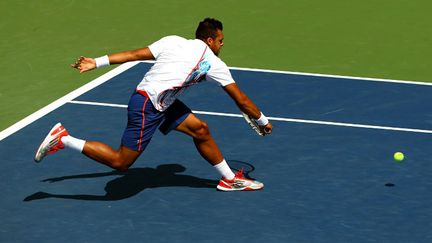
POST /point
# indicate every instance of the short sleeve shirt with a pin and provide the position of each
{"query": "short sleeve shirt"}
(181, 63)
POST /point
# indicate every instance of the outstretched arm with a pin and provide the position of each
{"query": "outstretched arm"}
(247, 106)
(85, 64)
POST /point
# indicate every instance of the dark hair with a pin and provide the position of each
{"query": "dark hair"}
(208, 28)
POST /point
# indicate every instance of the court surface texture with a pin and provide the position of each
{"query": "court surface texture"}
(328, 167)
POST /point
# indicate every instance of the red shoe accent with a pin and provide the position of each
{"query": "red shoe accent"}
(239, 174)
(63, 132)
(60, 143)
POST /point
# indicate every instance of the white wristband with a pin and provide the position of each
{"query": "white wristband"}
(262, 121)
(102, 61)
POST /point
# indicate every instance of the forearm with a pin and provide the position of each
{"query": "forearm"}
(247, 106)
(122, 57)
(128, 56)
(242, 101)
(85, 64)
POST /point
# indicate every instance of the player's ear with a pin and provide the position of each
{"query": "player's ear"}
(209, 41)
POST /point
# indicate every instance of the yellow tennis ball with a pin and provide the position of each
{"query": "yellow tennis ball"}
(398, 156)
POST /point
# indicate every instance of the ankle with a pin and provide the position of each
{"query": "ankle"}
(225, 171)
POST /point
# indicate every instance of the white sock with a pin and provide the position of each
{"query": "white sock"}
(73, 143)
(224, 170)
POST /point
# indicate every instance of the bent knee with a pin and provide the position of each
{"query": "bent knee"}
(121, 164)
(202, 132)
(124, 158)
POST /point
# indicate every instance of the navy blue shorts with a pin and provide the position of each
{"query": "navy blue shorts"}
(143, 119)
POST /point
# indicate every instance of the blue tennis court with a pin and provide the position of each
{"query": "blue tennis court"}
(328, 167)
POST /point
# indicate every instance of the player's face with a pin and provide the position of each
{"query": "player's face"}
(216, 44)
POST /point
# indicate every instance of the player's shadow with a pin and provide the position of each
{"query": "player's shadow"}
(131, 183)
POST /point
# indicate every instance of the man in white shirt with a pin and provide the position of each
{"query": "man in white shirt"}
(180, 63)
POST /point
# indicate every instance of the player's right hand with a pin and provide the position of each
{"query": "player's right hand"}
(267, 129)
(84, 64)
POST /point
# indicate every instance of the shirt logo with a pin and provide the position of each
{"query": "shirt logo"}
(197, 74)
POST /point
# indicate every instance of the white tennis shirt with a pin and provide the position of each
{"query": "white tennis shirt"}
(181, 63)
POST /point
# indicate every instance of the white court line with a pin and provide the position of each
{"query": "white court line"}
(334, 76)
(107, 76)
(341, 124)
(63, 100)
(326, 75)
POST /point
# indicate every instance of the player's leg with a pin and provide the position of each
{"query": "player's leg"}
(209, 150)
(180, 118)
(58, 138)
(202, 138)
(143, 120)
(205, 144)
(120, 159)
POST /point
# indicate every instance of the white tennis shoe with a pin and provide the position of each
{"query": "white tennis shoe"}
(52, 142)
(239, 183)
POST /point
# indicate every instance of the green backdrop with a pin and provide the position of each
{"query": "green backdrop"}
(369, 38)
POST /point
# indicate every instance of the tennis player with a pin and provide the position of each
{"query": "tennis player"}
(179, 64)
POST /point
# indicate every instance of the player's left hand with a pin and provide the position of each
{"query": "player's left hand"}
(84, 64)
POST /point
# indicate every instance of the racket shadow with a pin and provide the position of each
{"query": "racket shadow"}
(237, 165)
(130, 183)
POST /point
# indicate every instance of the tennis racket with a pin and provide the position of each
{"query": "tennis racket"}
(253, 124)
